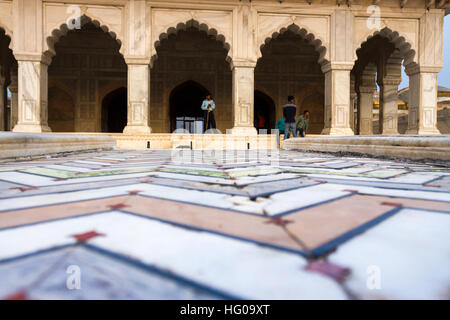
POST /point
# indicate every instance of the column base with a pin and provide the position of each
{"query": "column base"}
(243, 131)
(34, 128)
(423, 131)
(389, 132)
(365, 133)
(338, 132)
(137, 130)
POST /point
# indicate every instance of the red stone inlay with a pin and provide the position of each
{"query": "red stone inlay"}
(279, 221)
(333, 271)
(118, 206)
(19, 295)
(393, 204)
(83, 237)
(134, 191)
(24, 188)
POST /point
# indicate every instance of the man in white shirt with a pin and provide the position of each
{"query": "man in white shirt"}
(208, 107)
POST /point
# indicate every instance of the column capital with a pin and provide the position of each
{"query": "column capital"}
(414, 69)
(337, 65)
(388, 81)
(236, 63)
(137, 60)
(367, 89)
(33, 57)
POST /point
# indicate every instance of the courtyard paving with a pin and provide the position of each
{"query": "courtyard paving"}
(182, 224)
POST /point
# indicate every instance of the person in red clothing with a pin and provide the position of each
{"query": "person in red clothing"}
(261, 121)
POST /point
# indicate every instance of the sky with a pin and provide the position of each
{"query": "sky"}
(444, 75)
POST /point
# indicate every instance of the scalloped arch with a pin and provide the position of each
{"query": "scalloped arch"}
(62, 30)
(304, 33)
(192, 23)
(9, 34)
(399, 41)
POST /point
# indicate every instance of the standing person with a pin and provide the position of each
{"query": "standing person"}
(289, 111)
(208, 107)
(261, 121)
(280, 126)
(301, 124)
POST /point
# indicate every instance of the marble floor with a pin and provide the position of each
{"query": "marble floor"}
(182, 224)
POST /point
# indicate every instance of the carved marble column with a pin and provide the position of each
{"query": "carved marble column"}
(2, 103)
(13, 87)
(32, 92)
(423, 74)
(242, 98)
(389, 105)
(389, 77)
(366, 89)
(138, 113)
(366, 110)
(352, 103)
(422, 106)
(337, 99)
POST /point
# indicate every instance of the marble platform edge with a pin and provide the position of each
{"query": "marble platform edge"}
(199, 141)
(405, 146)
(16, 145)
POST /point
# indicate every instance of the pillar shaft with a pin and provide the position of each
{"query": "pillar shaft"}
(366, 88)
(138, 114)
(337, 101)
(389, 107)
(14, 100)
(366, 110)
(2, 104)
(422, 117)
(352, 103)
(32, 100)
(242, 99)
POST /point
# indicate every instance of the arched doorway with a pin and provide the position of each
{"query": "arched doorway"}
(185, 107)
(190, 60)
(378, 73)
(61, 109)
(87, 61)
(114, 111)
(8, 65)
(265, 108)
(289, 65)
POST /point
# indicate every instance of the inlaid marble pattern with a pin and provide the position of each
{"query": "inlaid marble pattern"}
(150, 224)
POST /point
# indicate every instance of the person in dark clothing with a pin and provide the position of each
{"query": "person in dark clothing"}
(208, 107)
(289, 112)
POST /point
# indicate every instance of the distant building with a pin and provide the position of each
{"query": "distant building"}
(443, 97)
